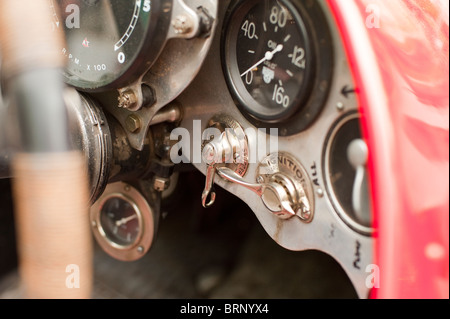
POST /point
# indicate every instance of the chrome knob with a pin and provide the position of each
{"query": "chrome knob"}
(282, 184)
(230, 148)
(279, 195)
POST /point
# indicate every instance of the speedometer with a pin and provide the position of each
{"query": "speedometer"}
(110, 42)
(276, 54)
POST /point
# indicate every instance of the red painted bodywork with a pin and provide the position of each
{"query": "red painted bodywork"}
(402, 79)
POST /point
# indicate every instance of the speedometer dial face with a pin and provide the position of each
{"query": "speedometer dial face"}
(109, 41)
(268, 58)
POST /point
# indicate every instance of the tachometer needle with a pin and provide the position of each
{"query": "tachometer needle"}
(267, 57)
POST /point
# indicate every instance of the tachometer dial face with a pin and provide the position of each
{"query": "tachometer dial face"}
(109, 41)
(268, 58)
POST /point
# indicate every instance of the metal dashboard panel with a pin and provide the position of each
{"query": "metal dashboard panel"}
(208, 95)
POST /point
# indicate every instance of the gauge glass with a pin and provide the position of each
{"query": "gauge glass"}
(107, 39)
(120, 221)
(340, 173)
(123, 222)
(268, 59)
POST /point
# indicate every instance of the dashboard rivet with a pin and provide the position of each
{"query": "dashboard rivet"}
(140, 249)
(340, 106)
(320, 192)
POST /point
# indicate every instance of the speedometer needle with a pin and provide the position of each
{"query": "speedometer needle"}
(125, 220)
(267, 57)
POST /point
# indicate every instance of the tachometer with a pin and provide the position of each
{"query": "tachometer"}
(110, 42)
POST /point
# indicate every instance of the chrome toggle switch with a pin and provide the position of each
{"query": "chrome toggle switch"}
(282, 182)
(228, 149)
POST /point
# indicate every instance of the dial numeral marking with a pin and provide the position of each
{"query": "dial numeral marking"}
(298, 57)
(249, 29)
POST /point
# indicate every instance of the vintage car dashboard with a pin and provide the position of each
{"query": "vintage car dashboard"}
(257, 95)
(313, 139)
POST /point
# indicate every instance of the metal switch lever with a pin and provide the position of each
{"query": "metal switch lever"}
(279, 194)
(273, 194)
(283, 188)
(208, 192)
(225, 150)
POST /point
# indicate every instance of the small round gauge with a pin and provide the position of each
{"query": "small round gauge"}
(120, 221)
(123, 222)
(110, 42)
(270, 58)
(341, 175)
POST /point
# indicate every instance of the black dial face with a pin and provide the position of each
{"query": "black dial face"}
(120, 222)
(268, 58)
(105, 39)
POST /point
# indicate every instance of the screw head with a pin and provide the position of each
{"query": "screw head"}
(160, 184)
(133, 123)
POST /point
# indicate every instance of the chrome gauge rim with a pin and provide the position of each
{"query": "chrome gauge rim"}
(258, 35)
(327, 158)
(141, 241)
(304, 107)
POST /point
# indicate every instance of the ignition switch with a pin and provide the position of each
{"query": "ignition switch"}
(282, 182)
(282, 185)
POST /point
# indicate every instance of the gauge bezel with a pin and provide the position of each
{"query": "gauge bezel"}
(152, 45)
(311, 104)
(326, 158)
(144, 239)
(101, 228)
(239, 89)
